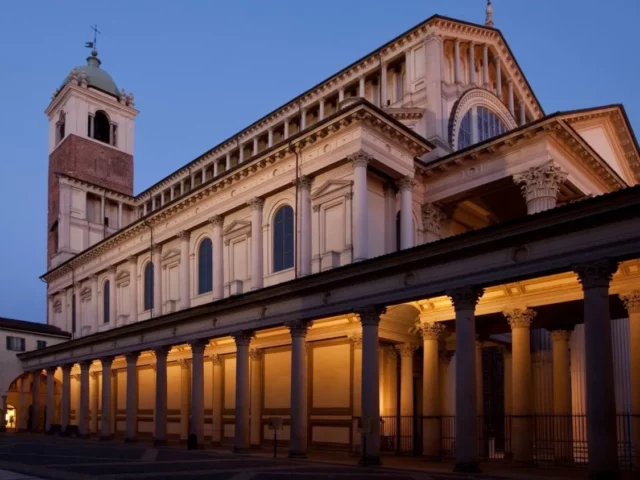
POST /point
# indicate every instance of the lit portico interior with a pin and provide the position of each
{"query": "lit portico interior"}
(382, 258)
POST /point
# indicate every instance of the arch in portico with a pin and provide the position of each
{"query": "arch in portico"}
(13, 393)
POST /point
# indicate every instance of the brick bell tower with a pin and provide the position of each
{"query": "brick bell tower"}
(91, 126)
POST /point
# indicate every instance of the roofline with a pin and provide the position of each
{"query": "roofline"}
(34, 332)
(358, 102)
(548, 219)
(336, 74)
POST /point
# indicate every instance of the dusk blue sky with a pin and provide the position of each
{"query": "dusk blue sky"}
(202, 70)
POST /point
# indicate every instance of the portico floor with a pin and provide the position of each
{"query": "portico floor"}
(39, 456)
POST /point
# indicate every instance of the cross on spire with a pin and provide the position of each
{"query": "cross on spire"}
(96, 32)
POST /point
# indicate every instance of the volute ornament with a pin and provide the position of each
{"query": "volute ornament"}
(631, 301)
(596, 274)
(541, 181)
(520, 317)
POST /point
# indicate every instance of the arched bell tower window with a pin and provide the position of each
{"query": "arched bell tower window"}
(101, 128)
(60, 127)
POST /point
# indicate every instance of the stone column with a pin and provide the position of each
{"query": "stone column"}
(227, 161)
(356, 391)
(508, 401)
(431, 425)
(114, 402)
(631, 301)
(270, 135)
(498, 77)
(304, 189)
(383, 85)
(242, 433)
(217, 400)
(133, 289)
(408, 55)
(511, 98)
(479, 379)
(132, 396)
(432, 219)
(456, 64)
(256, 396)
(35, 401)
(93, 400)
(360, 160)
(444, 360)
(113, 296)
(185, 278)
(256, 204)
(50, 400)
(303, 119)
(361, 86)
(522, 385)
(65, 419)
(485, 65)
(472, 64)
(105, 421)
(523, 113)
(157, 280)
(240, 153)
(406, 351)
(298, 435)
(540, 186)
(390, 218)
(405, 186)
(160, 412)
(218, 257)
(285, 129)
(83, 414)
(21, 421)
(464, 301)
(119, 215)
(562, 396)
(601, 406)
(197, 390)
(184, 399)
(370, 320)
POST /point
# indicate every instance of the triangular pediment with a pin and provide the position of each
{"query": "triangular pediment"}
(85, 291)
(173, 252)
(237, 225)
(331, 186)
(122, 274)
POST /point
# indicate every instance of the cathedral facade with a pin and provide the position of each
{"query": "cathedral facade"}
(411, 256)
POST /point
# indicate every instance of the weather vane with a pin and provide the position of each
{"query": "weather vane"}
(96, 32)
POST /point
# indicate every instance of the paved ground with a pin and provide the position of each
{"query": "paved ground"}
(37, 457)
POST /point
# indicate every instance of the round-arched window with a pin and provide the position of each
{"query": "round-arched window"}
(283, 239)
(101, 127)
(488, 125)
(205, 266)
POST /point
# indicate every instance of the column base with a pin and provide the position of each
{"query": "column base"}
(370, 460)
(467, 467)
(297, 454)
(159, 442)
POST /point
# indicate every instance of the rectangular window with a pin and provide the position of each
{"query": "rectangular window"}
(15, 344)
(41, 344)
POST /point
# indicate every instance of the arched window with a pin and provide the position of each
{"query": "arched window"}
(283, 239)
(106, 293)
(205, 267)
(101, 127)
(488, 125)
(148, 286)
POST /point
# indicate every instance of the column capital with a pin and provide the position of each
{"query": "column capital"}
(132, 357)
(370, 315)
(596, 274)
(75, 376)
(162, 352)
(406, 349)
(298, 328)
(541, 181)
(112, 269)
(184, 235)
(255, 203)
(431, 330)
(106, 361)
(432, 217)
(217, 220)
(406, 183)
(356, 340)
(304, 182)
(390, 188)
(560, 335)
(85, 364)
(631, 301)
(133, 259)
(216, 359)
(465, 298)
(256, 354)
(51, 370)
(359, 159)
(519, 317)
(242, 338)
(198, 346)
(156, 248)
(66, 366)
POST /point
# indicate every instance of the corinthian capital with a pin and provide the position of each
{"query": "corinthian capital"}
(520, 317)
(465, 298)
(406, 349)
(432, 218)
(406, 183)
(541, 181)
(431, 330)
(596, 274)
(370, 315)
(631, 301)
(255, 203)
(359, 159)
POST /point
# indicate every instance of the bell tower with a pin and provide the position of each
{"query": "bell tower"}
(91, 125)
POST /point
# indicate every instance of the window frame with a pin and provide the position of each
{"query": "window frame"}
(205, 266)
(106, 302)
(285, 258)
(148, 286)
(21, 347)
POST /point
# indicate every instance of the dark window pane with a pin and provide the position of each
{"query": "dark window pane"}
(205, 267)
(283, 239)
(105, 297)
(148, 286)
